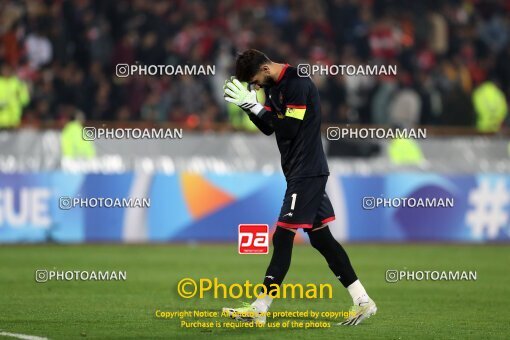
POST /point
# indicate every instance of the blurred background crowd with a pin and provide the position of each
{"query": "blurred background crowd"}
(60, 56)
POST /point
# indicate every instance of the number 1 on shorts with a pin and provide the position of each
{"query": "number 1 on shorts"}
(293, 204)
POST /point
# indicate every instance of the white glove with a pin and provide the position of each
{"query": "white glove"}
(238, 94)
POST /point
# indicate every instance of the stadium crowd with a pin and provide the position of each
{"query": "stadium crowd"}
(445, 50)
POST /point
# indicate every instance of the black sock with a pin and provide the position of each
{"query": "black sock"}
(335, 255)
(283, 241)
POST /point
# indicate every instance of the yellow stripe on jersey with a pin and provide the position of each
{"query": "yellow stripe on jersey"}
(296, 111)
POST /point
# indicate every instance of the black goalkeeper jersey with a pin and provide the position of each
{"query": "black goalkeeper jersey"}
(293, 112)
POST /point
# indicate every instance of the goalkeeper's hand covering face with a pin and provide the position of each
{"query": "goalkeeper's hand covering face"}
(235, 92)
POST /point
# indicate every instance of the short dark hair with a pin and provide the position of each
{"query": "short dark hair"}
(248, 64)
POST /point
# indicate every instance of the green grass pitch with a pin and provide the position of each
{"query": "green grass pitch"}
(126, 309)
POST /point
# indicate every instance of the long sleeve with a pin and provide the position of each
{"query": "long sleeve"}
(264, 125)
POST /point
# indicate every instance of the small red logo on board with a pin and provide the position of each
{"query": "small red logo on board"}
(253, 239)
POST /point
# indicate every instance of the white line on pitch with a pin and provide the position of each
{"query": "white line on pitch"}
(22, 336)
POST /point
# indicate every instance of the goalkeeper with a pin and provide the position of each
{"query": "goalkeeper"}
(292, 111)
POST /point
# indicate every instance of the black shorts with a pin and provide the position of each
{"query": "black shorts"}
(306, 204)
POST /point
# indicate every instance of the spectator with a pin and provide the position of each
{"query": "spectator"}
(39, 49)
(490, 105)
(13, 97)
(405, 107)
